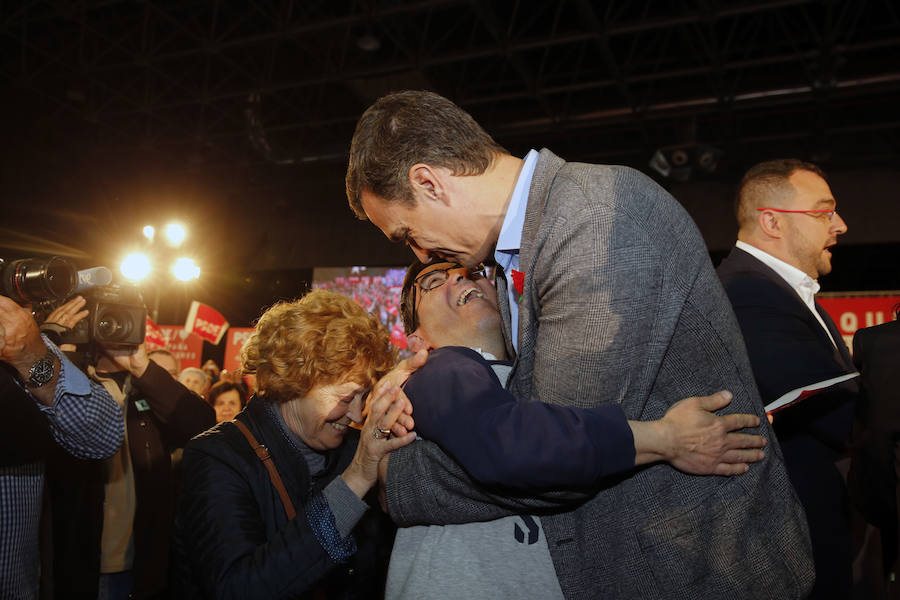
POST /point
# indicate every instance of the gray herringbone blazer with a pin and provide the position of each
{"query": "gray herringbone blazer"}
(621, 304)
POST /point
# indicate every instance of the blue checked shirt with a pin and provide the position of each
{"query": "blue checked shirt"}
(87, 423)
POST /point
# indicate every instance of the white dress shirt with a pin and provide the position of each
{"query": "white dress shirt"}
(805, 286)
(510, 239)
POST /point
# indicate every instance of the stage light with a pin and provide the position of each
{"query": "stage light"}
(149, 232)
(175, 233)
(683, 163)
(185, 269)
(136, 266)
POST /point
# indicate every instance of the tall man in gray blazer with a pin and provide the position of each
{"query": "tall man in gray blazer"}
(610, 297)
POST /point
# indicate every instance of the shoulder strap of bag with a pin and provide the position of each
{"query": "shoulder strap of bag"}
(263, 454)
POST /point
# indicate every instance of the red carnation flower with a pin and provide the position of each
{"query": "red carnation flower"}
(518, 279)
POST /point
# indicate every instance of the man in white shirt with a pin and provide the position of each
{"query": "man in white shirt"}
(788, 223)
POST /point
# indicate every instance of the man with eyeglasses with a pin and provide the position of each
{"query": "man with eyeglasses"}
(460, 404)
(788, 223)
(608, 296)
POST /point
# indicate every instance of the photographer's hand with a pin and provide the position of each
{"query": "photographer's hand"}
(133, 359)
(69, 314)
(22, 346)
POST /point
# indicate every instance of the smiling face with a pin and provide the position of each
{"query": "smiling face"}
(432, 228)
(228, 405)
(810, 235)
(322, 416)
(461, 312)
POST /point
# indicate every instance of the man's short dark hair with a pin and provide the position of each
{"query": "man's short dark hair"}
(766, 184)
(406, 128)
(408, 299)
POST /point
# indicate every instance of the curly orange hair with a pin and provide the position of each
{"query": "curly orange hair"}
(321, 339)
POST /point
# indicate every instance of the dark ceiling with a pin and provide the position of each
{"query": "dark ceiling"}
(118, 110)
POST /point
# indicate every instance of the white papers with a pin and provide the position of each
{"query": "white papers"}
(806, 391)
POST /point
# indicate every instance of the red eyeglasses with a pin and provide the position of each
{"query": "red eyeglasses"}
(830, 212)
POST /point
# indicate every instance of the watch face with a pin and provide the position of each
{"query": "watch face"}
(41, 372)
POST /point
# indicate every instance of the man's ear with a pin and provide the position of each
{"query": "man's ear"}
(426, 182)
(769, 224)
(416, 342)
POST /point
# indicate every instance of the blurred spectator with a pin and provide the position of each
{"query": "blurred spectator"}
(166, 360)
(237, 376)
(212, 370)
(134, 511)
(46, 400)
(227, 399)
(195, 380)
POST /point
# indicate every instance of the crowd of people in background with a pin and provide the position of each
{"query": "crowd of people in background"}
(378, 293)
(591, 424)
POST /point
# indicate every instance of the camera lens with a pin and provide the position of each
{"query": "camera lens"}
(112, 327)
(34, 280)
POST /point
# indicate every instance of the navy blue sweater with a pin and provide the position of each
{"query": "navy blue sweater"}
(459, 403)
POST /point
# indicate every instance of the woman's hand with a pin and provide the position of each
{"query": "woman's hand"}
(397, 377)
(376, 441)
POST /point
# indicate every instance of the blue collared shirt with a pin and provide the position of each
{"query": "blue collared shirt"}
(87, 423)
(510, 240)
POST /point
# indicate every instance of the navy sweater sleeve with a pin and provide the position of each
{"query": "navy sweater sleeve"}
(459, 403)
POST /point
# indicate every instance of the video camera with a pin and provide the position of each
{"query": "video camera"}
(116, 317)
(37, 280)
(116, 313)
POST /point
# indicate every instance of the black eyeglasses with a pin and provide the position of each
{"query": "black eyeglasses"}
(434, 279)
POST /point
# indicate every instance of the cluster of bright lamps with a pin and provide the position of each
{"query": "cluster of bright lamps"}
(137, 265)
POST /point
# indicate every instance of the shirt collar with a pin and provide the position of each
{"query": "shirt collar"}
(510, 238)
(803, 284)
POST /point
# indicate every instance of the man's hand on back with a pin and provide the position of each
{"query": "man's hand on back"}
(693, 439)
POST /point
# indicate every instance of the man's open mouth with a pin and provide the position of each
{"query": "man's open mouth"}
(467, 295)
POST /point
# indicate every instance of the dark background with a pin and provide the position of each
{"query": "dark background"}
(235, 118)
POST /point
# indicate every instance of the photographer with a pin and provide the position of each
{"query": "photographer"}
(48, 402)
(131, 514)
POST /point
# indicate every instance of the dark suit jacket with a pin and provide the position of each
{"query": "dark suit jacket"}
(876, 354)
(873, 478)
(621, 305)
(788, 349)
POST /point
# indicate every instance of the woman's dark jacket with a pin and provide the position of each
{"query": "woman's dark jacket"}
(233, 538)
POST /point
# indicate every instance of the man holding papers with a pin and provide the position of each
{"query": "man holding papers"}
(788, 221)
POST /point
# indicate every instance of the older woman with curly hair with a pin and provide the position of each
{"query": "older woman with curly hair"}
(279, 513)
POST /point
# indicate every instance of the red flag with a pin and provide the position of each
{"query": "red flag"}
(237, 336)
(154, 339)
(206, 322)
(186, 346)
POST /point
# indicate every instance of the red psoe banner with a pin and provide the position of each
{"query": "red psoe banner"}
(154, 339)
(206, 322)
(856, 311)
(237, 336)
(187, 347)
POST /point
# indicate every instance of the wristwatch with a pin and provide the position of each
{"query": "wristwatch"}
(41, 372)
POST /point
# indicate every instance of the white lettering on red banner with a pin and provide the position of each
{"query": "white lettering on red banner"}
(187, 347)
(852, 311)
